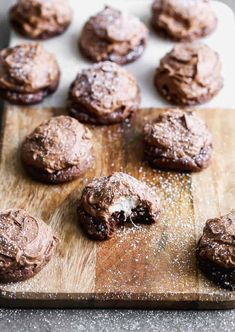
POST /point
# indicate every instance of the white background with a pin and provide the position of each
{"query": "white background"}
(65, 47)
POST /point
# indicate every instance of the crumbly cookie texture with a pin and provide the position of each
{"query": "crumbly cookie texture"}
(109, 201)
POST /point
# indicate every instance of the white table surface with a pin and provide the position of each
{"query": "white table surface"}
(110, 320)
(65, 47)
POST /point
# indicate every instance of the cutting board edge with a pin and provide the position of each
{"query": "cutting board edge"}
(124, 301)
(115, 304)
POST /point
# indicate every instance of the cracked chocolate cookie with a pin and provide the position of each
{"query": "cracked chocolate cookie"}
(110, 201)
(28, 74)
(59, 150)
(190, 74)
(41, 19)
(26, 245)
(178, 140)
(113, 35)
(183, 20)
(216, 250)
(105, 93)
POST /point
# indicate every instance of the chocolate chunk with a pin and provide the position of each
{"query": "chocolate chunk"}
(28, 73)
(178, 140)
(59, 150)
(216, 250)
(26, 245)
(41, 19)
(110, 201)
(190, 74)
(105, 93)
(183, 20)
(113, 35)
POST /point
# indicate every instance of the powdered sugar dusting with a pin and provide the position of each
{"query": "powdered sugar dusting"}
(145, 261)
(116, 25)
(105, 86)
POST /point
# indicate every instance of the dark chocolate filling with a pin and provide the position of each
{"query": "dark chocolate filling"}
(100, 229)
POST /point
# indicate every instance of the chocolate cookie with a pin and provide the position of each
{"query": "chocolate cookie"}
(216, 250)
(59, 150)
(103, 94)
(26, 245)
(41, 19)
(110, 201)
(178, 140)
(114, 36)
(28, 74)
(183, 20)
(190, 74)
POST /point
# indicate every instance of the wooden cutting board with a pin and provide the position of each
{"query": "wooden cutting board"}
(141, 267)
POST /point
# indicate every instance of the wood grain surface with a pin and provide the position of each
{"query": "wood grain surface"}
(141, 266)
